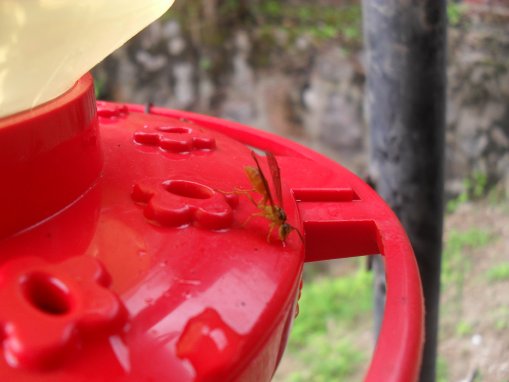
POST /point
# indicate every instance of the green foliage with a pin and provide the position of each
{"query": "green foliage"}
(326, 23)
(453, 204)
(272, 8)
(341, 300)
(464, 328)
(498, 196)
(329, 308)
(318, 21)
(477, 184)
(205, 63)
(453, 260)
(455, 265)
(501, 317)
(272, 25)
(98, 88)
(474, 187)
(328, 360)
(499, 272)
(442, 370)
(228, 6)
(455, 13)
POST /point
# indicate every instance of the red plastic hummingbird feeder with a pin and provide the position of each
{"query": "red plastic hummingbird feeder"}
(125, 258)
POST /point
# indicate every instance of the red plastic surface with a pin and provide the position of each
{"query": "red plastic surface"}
(48, 157)
(147, 271)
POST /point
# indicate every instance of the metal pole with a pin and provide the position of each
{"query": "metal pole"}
(405, 104)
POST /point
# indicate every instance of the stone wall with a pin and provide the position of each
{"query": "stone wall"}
(478, 96)
(311, 89)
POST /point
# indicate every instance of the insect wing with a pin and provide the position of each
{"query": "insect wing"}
(264, 179)
(276, 176)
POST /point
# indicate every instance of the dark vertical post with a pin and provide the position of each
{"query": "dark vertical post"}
(405, 103)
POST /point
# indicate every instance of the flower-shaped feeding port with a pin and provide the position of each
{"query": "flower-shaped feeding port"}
(210, 345)
(181, 202)
(48, 308)
(178, 138)
(109, 113)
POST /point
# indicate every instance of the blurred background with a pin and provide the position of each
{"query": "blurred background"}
(296, 68)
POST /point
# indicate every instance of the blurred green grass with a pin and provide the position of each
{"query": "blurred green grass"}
(322, 340)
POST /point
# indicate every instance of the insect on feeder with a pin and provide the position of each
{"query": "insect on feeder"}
(133, 245)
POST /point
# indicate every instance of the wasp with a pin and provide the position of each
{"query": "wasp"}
(266, 205)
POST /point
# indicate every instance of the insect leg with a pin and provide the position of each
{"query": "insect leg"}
(252, 216)
(250, 197)
(292, 228)
(271, 228)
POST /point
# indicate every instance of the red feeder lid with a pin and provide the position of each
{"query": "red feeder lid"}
(133, 256)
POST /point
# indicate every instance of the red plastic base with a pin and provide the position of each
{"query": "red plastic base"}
(154, 269)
